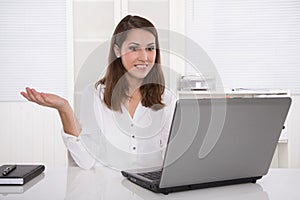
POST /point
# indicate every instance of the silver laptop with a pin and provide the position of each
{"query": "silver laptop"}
(215, 142)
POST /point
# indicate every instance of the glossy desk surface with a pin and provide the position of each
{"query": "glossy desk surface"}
(105, 184)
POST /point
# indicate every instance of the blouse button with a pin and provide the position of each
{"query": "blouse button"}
(133, 136)
(131, 125)
(133, 148)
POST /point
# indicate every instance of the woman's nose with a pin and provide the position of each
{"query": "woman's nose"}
(143, 55)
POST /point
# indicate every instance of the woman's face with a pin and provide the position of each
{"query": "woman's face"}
(138, 53)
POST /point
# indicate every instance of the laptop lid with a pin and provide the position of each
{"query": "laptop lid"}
(222, 139)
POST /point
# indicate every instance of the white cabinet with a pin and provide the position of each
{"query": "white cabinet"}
(93, 22)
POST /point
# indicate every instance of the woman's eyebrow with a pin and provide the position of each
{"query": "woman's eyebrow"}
(152, 43)
(133, 43)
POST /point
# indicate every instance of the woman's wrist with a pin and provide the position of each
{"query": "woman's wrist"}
(65, 107)
(68, 119)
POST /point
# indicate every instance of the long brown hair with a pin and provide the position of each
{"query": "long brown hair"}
(153, 85)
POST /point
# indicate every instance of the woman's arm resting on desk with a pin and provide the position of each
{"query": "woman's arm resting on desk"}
(69, 121)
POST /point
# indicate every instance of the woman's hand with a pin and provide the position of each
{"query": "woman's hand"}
(69, 121)
(45, 99)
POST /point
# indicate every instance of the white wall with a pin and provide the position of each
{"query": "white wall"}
(30, 134)
(35, 51)
(293, 130)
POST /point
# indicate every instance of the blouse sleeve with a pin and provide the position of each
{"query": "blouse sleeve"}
(77, 150)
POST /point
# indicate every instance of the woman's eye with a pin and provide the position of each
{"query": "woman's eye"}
(150, 48)
(133, 48)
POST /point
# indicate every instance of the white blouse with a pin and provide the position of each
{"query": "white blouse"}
(117, 140)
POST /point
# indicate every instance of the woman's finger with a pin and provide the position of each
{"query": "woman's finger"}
(38, 97)
(30, 94)
(24, 94)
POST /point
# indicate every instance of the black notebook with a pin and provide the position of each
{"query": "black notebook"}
(20, 175)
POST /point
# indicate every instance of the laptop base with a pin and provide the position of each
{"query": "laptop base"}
(154, 187)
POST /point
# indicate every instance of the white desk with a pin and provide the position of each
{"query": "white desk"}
(105, 184)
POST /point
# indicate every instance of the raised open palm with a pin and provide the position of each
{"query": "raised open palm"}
(44, 99)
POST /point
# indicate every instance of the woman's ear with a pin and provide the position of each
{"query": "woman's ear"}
(117, 51)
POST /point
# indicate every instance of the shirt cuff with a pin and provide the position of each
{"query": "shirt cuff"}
(77, 150)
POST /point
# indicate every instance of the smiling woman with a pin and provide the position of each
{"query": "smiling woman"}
(125, 119)
(138, 53)
(134, 49)
(138, 58)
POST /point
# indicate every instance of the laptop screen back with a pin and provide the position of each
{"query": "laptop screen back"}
(222, 139)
